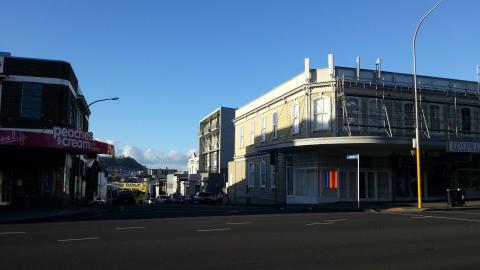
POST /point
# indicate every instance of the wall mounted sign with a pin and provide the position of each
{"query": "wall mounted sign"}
(61, 138)
(463, 147)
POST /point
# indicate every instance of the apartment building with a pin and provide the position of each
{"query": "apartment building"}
(216, 144)
(291, 143)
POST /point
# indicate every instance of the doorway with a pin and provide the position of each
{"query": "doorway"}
(5, 189)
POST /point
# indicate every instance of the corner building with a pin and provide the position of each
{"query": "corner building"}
(48, 157)
(291, 143)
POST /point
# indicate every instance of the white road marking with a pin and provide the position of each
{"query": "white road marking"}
(318, 223)
(460, 212)
(78, 239)
(335, 220)
(459, 219)
(437, 217)
(238, 223)
(5, 233)
(128, 228)
(214, 230)
(419, 217)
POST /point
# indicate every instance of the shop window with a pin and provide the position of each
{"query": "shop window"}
(251, 175)
(263, 173)
(289, 168)
(31, 104)
(272, 176)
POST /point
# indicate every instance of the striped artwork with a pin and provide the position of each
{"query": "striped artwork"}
(331, 179)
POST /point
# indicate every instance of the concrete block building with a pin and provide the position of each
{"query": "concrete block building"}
(291, 143)
(216, 146)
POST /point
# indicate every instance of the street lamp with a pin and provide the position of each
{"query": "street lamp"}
(417, 137)
(105, 99)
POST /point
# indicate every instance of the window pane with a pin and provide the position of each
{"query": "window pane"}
(290, 181)
(409, 115)
(31, 104)
(466, 119)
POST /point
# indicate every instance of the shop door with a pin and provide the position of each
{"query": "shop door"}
(367, 185)
(5, 190)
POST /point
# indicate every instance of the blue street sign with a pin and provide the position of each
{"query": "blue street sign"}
(352, 156)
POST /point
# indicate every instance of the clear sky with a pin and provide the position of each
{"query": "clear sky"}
(173, 62)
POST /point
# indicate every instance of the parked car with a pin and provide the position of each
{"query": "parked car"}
(176, 198)
(125, 197)
(189, 198)
(204, 198)
(162, 199)
(149, 200)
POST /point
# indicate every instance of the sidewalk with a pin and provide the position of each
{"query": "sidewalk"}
(11, 216)
(397, 207)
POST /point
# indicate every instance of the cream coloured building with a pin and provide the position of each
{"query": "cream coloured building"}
(291, 143)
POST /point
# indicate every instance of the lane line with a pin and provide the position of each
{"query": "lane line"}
(458, 219)
(460, 212)
(437, 217)
(78, 239)
(335, 220)
(128, 228)
(214, 230)
(6, 233)
(318, 223)
(238, 223)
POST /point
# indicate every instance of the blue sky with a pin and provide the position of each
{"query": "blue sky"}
(173, 62)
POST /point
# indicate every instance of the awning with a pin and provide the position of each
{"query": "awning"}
(70, 140)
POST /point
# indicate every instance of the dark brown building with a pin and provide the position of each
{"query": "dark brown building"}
(47, 154)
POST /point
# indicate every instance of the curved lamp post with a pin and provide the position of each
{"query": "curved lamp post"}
(104, 99)
(417, 137)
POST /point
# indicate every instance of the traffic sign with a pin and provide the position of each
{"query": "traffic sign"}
(352, 156)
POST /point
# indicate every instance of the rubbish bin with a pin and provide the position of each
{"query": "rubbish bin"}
(455, 197)
(451, 197)
(460, 196)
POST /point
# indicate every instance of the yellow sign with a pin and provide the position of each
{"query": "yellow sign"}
(132, 186)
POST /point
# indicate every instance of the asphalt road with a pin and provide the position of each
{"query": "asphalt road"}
(430, 240)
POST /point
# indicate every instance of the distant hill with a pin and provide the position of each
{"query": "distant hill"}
(120, 163)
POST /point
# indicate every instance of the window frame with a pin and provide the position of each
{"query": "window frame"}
(33, 99)
(439, 117)
(275, 125)
(251, 174)
(242, 136)
(295, 119)
(356, 119)
(263, 128)
(469, 124)
(404, 113)
(374, 115)
(252, 131)
(263, 173)
(324, 114)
